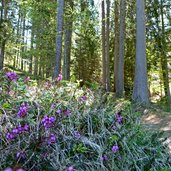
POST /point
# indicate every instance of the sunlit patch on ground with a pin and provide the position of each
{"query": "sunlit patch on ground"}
(160, 122)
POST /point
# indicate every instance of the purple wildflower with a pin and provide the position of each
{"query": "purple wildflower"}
(115, 148)
(25, 127)
(20, 169)
(53, 105)
(82, 98)
(11, 136)
(59, 78)
(48, 122)
(16, 131)
(23, 110)
(77, 135)
(52, 119)
(20, 129)
(20, 155)
(70, 168)
(59, 111)
(119, 118)
(104, 157)
(45, 118)
(8, 169)
(11, 75)
(67, 112)
(52, 139)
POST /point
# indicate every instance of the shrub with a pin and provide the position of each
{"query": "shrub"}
(62, 127)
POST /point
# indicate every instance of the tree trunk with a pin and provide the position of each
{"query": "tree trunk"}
(164, 58)
(3, 41)
(17, 40)
(2, 52)
(119, 84)
(107, 46)
(67, 44)
(60, 12)
(22, 48)
(103, 45)
(31, 56)
(140, 90)
(116, 45)
(35, 66)
(40, 67)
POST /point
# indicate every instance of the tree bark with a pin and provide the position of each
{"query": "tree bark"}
(4, 12)
(31, 56)
(60, 12)
(164, 58)
(103, 45)
(35, 66)
(116, 45)
(17, 40)
(140, 90)
(107, 46)
(23, 34)
(2, 53)
(67, 42)
(119, 84)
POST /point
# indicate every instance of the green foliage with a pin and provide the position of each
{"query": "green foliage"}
(86, 59)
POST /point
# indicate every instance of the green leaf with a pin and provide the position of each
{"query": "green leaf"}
(6, 106)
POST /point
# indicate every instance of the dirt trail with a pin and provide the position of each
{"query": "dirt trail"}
(159, 120)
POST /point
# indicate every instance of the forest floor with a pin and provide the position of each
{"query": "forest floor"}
(157, 120)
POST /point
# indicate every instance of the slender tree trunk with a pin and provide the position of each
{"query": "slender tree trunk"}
(103, 45)
(17, 40)
(116, 45)
(40, 67)
(35, 66)
(32, 42)
(164, 57)
(159, 44)
(60, 17)
(140, 90)
(67, 44)
(19, 23)
(2, 8)
(3, 41)
(107, 46)
(23, 34)
(119, 85)
(2, 53)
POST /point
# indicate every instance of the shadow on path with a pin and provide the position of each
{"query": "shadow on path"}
(157, 121)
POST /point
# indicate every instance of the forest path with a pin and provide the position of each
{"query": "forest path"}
(158, 120)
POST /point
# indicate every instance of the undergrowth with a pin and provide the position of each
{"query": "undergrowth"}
(60, 126)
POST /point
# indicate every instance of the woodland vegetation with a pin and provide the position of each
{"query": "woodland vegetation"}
(73, 75)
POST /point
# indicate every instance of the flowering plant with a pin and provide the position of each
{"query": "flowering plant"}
(56, 130)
